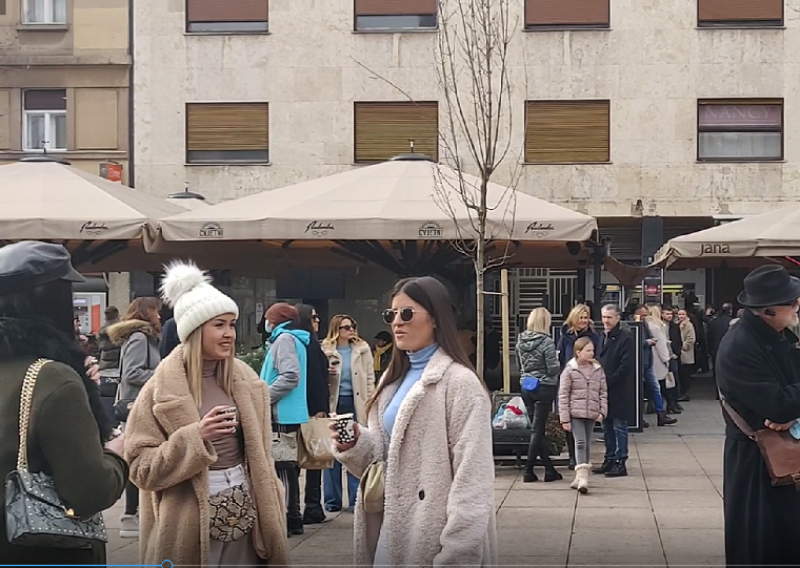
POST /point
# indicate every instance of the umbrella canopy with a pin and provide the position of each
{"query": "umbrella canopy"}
(188, 204)
(50, 200)
(398, 200)
(776, 233)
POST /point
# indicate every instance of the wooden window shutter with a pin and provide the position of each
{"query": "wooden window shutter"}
(709, 11)
(567, 12)
(567, 132)
(227, 126)
(385, 130)
(395, 7)
(227, 10)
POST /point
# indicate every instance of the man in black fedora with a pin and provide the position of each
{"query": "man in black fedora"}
(758, 372)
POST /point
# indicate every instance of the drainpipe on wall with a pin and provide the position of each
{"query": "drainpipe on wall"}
(131, 138)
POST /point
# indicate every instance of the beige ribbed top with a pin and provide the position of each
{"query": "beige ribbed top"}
(230, 448)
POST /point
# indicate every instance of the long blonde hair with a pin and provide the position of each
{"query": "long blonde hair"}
(575, 315)
(332, 339)
(193, 361)
(539, 321)
(654, 315)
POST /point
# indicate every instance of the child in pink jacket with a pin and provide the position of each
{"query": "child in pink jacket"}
(582, 401)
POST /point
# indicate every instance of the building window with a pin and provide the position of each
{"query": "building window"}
(45, 125)
(229, 16)
(397, 15)
(227, 133)
(720, 13)
(45, 12)
(567, 13)
(567, 132)
(385, 130)
(740, 130)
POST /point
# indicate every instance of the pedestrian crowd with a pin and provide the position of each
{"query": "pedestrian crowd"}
(208, 451)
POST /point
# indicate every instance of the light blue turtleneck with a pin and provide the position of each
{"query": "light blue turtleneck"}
(419, 360)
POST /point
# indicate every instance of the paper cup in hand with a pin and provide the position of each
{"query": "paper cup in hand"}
(345, 427)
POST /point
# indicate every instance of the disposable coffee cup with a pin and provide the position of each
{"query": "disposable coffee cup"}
(345, 427)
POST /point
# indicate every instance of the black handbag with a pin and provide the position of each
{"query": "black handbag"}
(35, 513)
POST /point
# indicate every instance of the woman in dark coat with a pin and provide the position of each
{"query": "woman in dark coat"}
(759, 377)
(68, 423)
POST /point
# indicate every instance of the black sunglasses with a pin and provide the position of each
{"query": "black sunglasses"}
(315, 317)
(347, 327)
(406, 315)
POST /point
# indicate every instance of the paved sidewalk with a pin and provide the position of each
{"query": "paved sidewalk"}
(667, 512)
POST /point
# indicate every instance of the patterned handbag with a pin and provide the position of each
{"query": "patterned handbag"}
(284, 446)
(232, 515)
(35, 513)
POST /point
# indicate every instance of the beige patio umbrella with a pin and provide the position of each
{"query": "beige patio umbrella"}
(50, 200)
(400, 200)
(772, 234)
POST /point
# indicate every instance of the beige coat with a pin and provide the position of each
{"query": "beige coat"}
(363, 374)
(688, 339)
(439, 503)
(169, 462)
(661, 350)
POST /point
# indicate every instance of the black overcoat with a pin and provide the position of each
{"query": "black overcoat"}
(758, 373)
(618, 358)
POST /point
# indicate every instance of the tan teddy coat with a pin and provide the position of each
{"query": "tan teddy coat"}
(169, 462)
(439, 502)
(362, 369)
(582, 392)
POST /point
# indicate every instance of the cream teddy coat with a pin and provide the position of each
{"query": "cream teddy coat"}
(439, 488)
(362, 370)
(169, 462)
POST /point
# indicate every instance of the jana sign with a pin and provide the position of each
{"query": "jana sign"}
(714, 249)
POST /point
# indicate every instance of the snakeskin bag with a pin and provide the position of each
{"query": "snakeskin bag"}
(35, 513)
(233, 514)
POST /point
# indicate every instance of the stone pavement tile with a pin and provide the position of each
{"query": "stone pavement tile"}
(689, 518)
(336, 542)
(535, 518)
(523, 541)
(322, 560)
(717, 481)
(617, 558)
(693, 483)
(129, 554)
(681, 499)
(606, 543)
(500, 496)
(588, 519)
(711, 562)
(533, 560)
(528, 498)
(633, 482)
(689, 544)
(604, 497)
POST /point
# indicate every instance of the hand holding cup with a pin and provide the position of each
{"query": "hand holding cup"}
(344, 431)
(217, 423)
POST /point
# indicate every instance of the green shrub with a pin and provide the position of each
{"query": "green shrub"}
(554, 435)
(255, 358)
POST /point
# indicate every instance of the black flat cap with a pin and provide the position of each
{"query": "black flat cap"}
(28, 264)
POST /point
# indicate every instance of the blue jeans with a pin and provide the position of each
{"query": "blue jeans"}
(652, 381)
(615, 436)
(332, 478)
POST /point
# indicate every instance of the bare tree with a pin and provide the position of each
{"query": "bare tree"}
(473, 70)
(472, 64)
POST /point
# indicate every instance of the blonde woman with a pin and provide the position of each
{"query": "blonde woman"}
(185, 443)
(352, 381)
(688, 341)
(578, 324)
(538, 367)
(661, 360)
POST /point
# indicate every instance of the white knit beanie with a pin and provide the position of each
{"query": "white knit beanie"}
(188, 290)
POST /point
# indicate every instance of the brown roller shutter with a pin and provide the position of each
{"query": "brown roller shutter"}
(710, 11)
(227, 10)
(51, 99)
(227, 126)
(567, 12)
(567, 132)
(383, 130)
(395, 7)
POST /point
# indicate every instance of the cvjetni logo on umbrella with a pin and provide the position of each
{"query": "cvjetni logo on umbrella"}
(211, 231)
(319, 229)
(93, 228)
(539, 230)
(431, 230)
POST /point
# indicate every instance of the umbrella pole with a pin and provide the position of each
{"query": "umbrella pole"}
(505, 330)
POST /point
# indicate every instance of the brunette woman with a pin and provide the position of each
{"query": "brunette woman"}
(578, 324)
(137, 334)
(352, 383)
(68, 424)
(318, 400)
(430, 420)
(536, 356)
(199, 443)
(688, 344)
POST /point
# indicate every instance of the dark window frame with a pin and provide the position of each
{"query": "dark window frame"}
(529, 27)
(221, 161)
(394, 30)
(736, 129)
(189, 31)
(722, 24)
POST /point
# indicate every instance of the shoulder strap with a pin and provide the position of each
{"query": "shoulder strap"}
(25, 403)
(740, 422)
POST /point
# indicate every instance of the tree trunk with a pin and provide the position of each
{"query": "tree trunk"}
(479, 308)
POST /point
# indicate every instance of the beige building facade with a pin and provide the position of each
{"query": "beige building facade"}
(64, 82)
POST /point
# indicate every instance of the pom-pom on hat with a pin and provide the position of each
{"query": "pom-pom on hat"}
(194, 301)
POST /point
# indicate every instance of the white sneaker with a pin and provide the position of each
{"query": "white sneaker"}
(129, 526)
